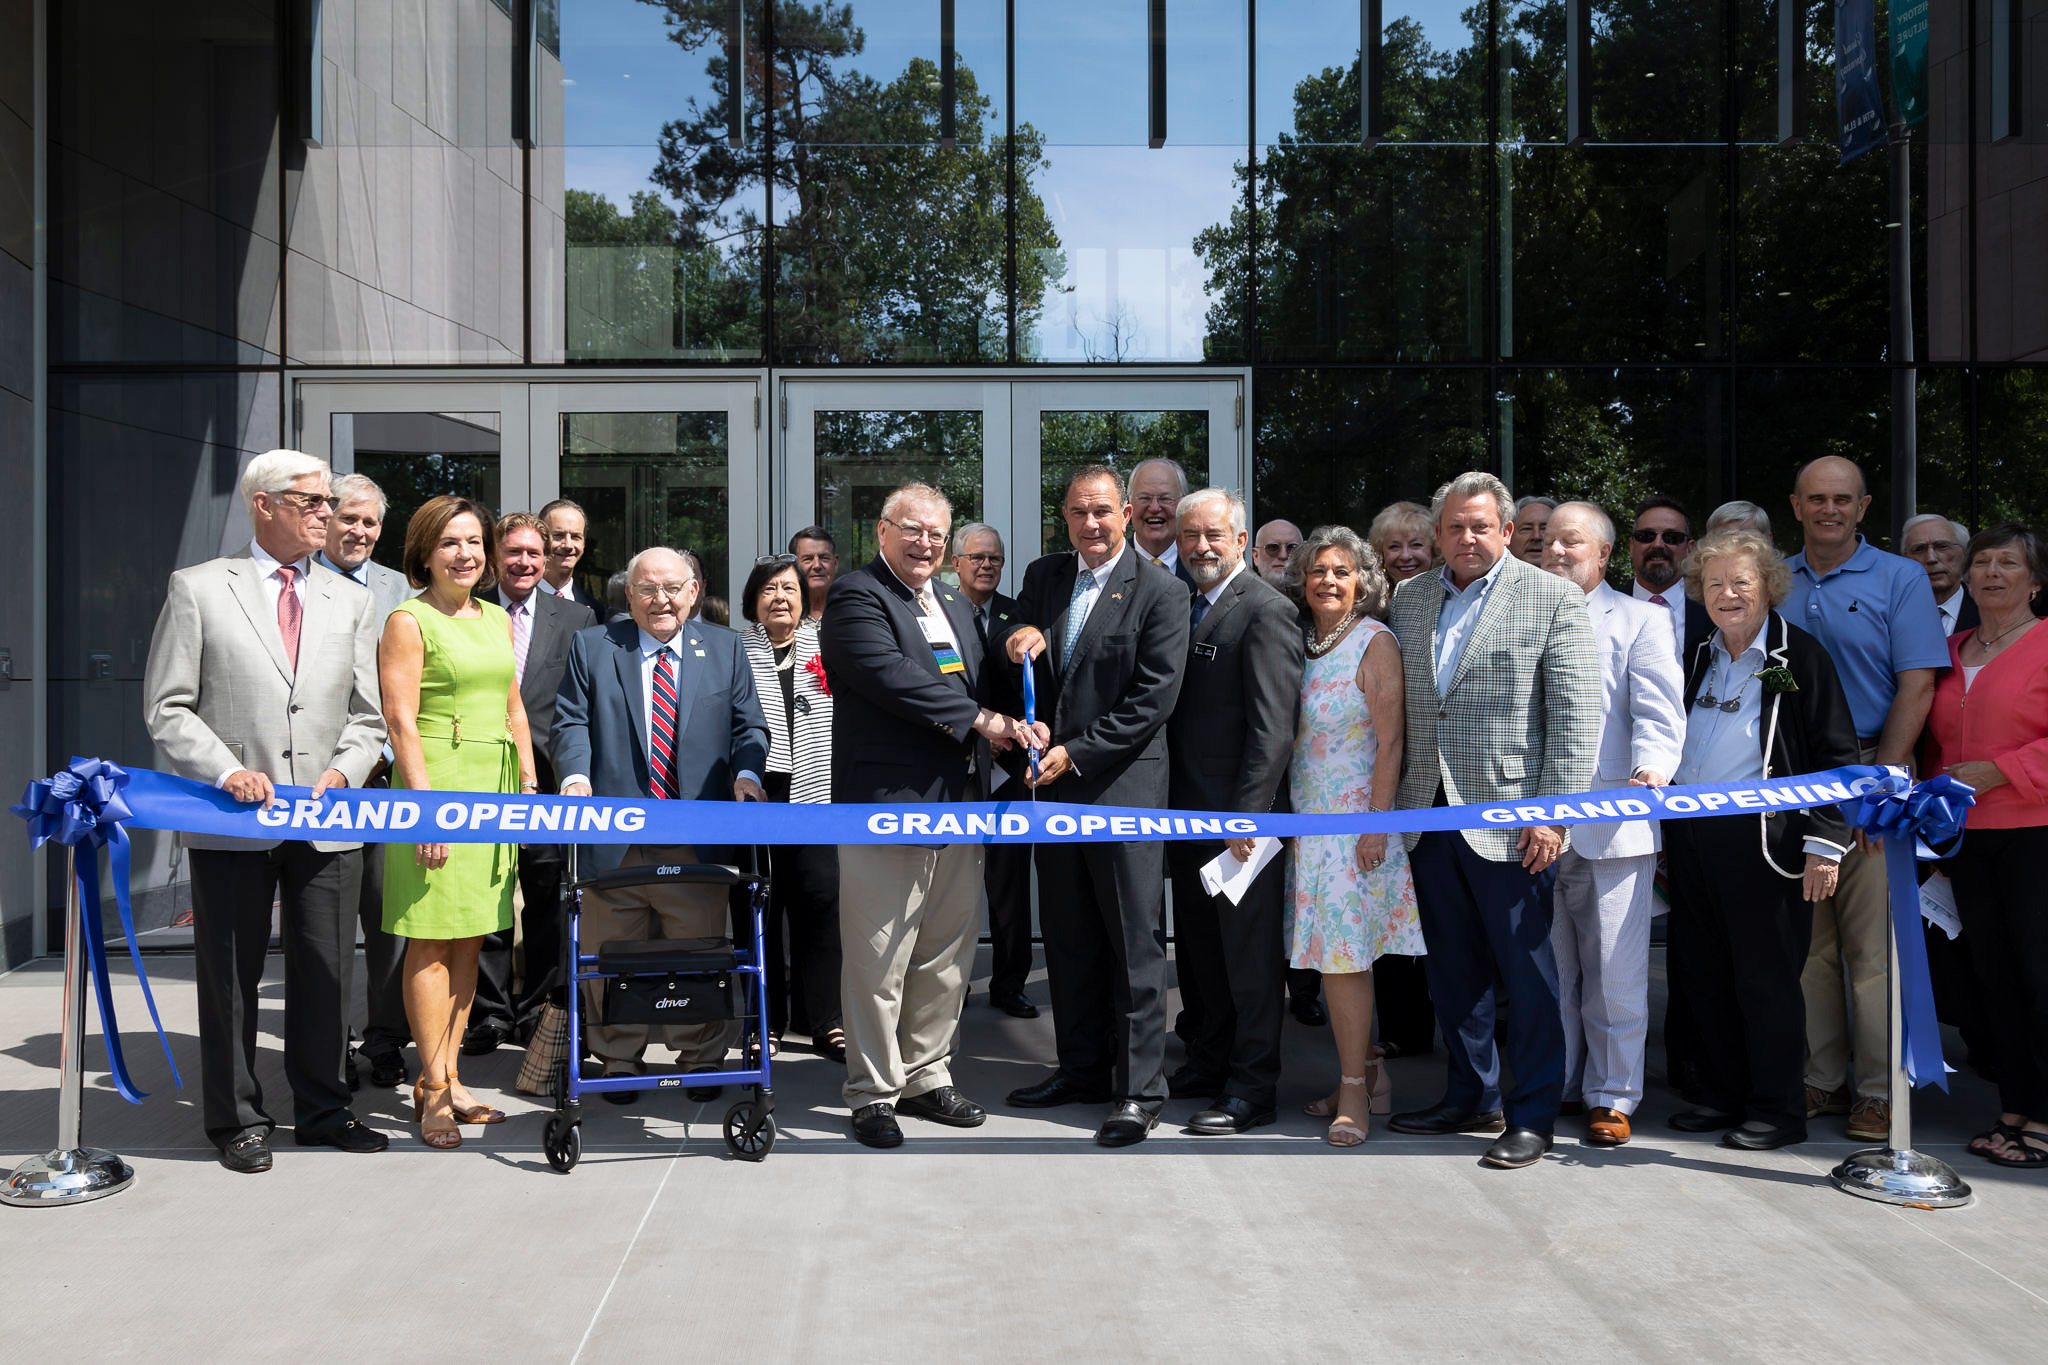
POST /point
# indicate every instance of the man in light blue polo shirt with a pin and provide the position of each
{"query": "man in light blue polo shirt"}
(1875, 615)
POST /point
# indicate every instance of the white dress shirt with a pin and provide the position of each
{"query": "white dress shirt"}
(1088, 600)
(1168, 559)
(1674, 602)
(567, 592)
(1950, 610)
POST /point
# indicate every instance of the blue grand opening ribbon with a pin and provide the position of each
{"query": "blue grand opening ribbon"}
(83, 808)
(1912, 820)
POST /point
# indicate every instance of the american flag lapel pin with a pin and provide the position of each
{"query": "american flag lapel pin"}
(1116, 597)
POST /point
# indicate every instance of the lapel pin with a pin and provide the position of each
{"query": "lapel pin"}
(1116, 597)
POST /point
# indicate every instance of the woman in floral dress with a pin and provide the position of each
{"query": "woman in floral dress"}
(1350, 897)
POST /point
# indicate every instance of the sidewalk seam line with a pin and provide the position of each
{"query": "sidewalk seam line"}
(624, 1256)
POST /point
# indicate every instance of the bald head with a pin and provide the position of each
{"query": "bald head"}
(1829, 498)
(1271, 547)
(663, 589)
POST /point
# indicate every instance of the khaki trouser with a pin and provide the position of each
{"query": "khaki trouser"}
(1853, 928)
(642, 912)
(907, 919)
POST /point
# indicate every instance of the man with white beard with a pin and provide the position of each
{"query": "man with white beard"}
(1600, 928)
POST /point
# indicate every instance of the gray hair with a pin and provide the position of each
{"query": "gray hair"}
(1742, 515)
(892, 507)
(1473, 483)
(632, 569)
(970, 531)
(1596, 517)
(276, 470)
(1179, 474)
(1373, 589)
(1524, 504)
(1239, 515)
(1955, 528)
(361, 488)
(1734, 542)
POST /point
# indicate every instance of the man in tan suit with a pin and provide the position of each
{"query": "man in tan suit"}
(263, 670)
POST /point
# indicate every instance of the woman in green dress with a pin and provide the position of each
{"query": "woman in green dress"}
(451, 701)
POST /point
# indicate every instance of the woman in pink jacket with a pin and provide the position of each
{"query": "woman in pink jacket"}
(1989, 728)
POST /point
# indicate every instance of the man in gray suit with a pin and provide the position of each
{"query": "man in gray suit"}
(1601, 928)
(658, 705)
(1503, 704)
(262, 670)
(543, 624)
(352, 534)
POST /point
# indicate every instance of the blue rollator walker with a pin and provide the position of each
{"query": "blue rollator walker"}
(670, 981)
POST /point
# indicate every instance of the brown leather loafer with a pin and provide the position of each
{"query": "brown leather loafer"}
(1606, 1127)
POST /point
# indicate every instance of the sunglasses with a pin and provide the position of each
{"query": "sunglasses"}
(1646, 536)
(779, 561)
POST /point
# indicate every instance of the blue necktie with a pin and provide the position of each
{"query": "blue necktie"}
(1199, 610)
(1077, 614)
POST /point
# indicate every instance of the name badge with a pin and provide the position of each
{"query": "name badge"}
(1205, 651)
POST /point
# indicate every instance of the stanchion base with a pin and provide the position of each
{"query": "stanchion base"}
(70, 1177)
(1909, 1179)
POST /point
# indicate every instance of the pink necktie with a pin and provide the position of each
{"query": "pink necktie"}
(1658, 598)
(522, 638)
(290, 615)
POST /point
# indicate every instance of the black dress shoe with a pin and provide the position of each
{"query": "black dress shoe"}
(1233, 1115)
(874, 1125)
(1752, 1141)
(387, 1069)
(1054, 1091)
(1190, 1084)
(1127, 1125)
(1443, 1119)
(1517, 1147)
(248, 1154)
(349, 1134)
(944, 1105)
(480, 1040)
(1572, 1109)
(1702, 1120)
(1309, 1010)
(1014, 1005)
(350, 1074)
(621, 1097)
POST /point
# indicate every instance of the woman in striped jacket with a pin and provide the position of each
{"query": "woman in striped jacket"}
(781, 640)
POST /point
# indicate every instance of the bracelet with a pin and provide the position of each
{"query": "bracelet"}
(529, 786)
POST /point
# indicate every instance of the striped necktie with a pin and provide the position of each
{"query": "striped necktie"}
(1077, 614)
(522, 638)
(661, 747)
(291, 613)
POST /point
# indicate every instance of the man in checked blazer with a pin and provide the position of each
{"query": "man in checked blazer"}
(1107, 639)
(1503, 704)
(263, 670)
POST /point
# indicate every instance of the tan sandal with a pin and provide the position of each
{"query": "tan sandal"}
(441, 1139)
(1342, 1133)
(476, 1113)
(1379, 1101)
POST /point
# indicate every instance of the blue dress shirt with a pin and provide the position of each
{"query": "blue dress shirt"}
(1458, 617)
(1723, 746)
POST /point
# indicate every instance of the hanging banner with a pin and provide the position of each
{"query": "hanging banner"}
(1859, 103)
(1908, 23)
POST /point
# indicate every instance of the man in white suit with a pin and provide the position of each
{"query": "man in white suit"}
(352, 535)
(1600, 927)
(263, 670)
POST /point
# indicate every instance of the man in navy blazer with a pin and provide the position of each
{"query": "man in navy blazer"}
(1107, 638)
(658, 706)
(909, 727)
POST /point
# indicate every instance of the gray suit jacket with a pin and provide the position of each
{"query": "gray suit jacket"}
(1521, 716)
(1232, 733)
(219, 693)
(387, 586)
(1642, 700)
(555, 623)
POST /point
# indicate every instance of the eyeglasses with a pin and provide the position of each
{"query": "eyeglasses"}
(647, 592)
(1274, 547)
(994, 561)
(1645, 536)
(778, 561)
(930, 535)
(307, 502)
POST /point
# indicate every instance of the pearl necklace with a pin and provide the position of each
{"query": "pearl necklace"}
(1318, 648)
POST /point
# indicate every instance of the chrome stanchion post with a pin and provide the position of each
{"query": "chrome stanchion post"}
(72, 1173)
(1895, 1173)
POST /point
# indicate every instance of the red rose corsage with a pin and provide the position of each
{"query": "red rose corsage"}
(816, 668)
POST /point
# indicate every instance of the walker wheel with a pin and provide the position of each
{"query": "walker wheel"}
(744, 1147)
(562, 1143)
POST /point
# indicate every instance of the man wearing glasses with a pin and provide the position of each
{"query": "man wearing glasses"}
(658, 705)
(226, 702)
(1658, 549)
(1271, 548)
(1006, 870)
(910, 727)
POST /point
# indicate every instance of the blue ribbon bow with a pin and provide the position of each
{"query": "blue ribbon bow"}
(82, 807)
(1911, 820)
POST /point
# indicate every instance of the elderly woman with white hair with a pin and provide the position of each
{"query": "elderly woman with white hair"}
(1350, 900)
(1762, 700)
